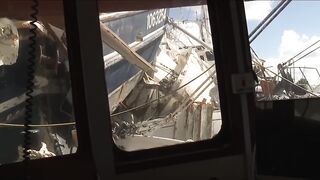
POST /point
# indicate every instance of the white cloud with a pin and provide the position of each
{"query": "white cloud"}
(291, 44)
(257, 10)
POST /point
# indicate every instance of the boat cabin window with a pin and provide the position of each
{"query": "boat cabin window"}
(285, 41)
(161, 76)
(35, 88)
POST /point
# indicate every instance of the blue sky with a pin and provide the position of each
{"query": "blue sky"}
(301, 16)
(185, 13)
(295, 28)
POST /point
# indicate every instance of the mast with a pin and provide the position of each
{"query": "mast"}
(206, 29)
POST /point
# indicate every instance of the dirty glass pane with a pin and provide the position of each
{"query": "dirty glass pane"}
(285, 41)
(161, 76)
(52, 123)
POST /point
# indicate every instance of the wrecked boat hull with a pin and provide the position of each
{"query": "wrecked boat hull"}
(120, 75)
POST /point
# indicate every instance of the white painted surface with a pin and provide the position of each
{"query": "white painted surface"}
(138, 142)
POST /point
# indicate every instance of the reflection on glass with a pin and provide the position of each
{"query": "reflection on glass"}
(161, 78)
(52, 121)
(285, 48)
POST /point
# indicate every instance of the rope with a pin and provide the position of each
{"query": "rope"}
(300, 53)
(305, 55)
(253, 37)
(156, 100)
(287, 79)
(266, 18)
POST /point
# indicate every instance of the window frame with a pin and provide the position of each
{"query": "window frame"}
(97, 153)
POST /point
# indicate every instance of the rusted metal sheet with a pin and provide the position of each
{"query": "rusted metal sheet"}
(181, 126)
(197, 123)
(190, 123)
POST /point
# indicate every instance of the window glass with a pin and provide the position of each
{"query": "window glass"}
(286, 56)
(285, 49)
(161, 77)
(52, 124)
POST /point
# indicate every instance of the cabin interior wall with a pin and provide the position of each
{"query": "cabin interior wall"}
(288, 144)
